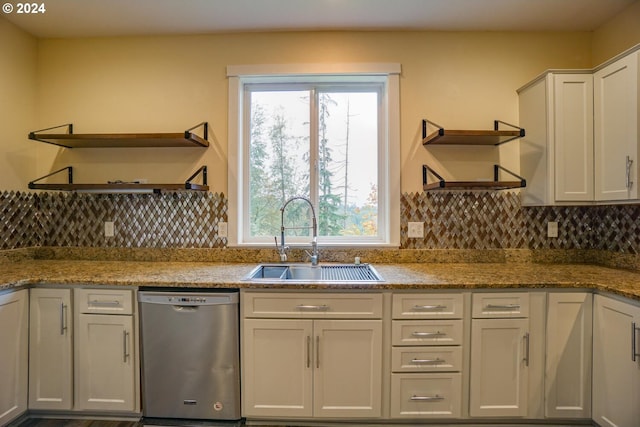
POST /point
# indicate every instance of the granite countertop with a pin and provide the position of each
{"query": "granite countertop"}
(15, 273)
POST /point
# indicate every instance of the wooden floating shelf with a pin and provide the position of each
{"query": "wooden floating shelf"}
(120, 187)
(124, 187)
(469, 137)
(122, 140)
(494, 184)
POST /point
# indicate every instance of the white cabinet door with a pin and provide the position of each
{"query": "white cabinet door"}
(277, 367)
(568, 364)
(616, 129)
(105, 363)
(573, 137)
(14, 325)
(616, 363)
(50, 358)
(556, 155)
(348, 368)
(499, 372)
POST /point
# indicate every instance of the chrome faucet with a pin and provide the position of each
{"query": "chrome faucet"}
(282, 249)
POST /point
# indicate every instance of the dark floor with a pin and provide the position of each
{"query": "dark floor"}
(40, 422)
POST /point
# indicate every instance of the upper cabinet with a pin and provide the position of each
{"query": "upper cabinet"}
(581, 145)
(556, 155)
(616, 129)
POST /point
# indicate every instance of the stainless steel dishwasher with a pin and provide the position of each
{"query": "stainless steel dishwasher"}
(190, 354)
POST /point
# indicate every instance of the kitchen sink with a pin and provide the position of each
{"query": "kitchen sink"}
(345, 273)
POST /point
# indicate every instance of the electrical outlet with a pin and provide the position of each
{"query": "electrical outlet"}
(415, 230)
(222, 229)
(109, 229)
(552, 229)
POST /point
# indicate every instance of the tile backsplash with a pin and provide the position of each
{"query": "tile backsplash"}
(453, 220)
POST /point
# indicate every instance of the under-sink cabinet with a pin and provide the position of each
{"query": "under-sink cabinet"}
(311, 355)
(426, 355)
(84, 350)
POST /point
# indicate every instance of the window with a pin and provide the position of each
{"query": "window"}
(326, 137)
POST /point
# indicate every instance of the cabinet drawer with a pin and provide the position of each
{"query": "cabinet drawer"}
(426, 332)
(104, 301)
(426, 395)
(500, 305)
(312, 305)
(426, 359)
(427, 306)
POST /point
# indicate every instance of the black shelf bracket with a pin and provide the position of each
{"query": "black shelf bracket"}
(205, 133)
(496, 127)
(426, 122)
(69, 170)
(32, 135)
(498, 168)
(201, 171)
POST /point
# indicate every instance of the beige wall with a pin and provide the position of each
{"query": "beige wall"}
(617, 35)
(17, 106)
(138, 84)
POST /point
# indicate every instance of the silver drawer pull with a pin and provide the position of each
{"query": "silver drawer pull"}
(303, 307)
(429, 307)
(502, 306)
(435, 398)
(428, 334)
(98, 303)
(428, 361)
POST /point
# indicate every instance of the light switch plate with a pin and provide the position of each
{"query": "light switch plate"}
(552, 229)
(109, 229)
(415, 230)
(222, 229)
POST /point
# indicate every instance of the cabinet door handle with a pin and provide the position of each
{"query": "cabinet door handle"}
(63, 318)
(317, 351)
(628, 172)
(435, 398)
(303, 307)
(429, 307)
(428, 334)
(428, 361)
(526, 349)
(634, 347)
(502, 306)
(308, 351)
(125, 335)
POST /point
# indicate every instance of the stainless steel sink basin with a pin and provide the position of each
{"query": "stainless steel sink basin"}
(345, 273)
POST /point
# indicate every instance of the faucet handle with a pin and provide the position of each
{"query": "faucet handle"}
(282, 250)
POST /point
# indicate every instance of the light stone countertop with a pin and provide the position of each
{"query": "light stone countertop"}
(415, 276)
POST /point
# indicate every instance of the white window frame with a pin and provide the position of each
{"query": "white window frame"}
(389, 152)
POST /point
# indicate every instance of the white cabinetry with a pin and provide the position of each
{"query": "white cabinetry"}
(500, 349)
(616, 363)
(568, 362)
(14, 323)
(312, 355)
(616, 129)
(557, 152)
(582, 135)
(51, 342)
(106, 368)
(427, 336)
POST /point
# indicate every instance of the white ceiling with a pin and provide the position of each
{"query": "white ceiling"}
(89, 18)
